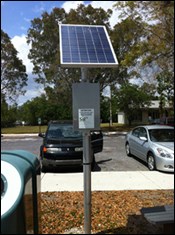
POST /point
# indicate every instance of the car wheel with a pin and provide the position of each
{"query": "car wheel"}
(127, 149)
(151, 162)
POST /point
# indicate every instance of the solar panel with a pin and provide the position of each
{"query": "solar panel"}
(86, 45)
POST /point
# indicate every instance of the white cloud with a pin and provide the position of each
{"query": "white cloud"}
(39, 8)
(27, 20)
(108, 5)
(68, 5)
(29, 95)
(22, 47)
(23, 28)
(33, 89)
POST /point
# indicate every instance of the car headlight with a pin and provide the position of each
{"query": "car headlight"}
(77, 149)
(164, 153)
(51, 150)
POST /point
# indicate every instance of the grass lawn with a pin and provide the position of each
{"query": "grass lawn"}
(37, 129)
(23, 129)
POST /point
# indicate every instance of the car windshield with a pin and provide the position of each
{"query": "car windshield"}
(62, 131)
(162, 135)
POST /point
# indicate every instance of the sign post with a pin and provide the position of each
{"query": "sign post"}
(87, 181)
(39, 123)
(86, 117)
(89, 46)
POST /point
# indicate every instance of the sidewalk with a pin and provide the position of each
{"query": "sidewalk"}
(108, 181)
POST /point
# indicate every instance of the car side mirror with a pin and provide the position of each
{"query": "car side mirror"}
(143, 138)
(41, 135)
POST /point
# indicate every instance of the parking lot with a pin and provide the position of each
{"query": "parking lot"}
(112, 158)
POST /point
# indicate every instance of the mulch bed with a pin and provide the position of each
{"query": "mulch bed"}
(112, 212)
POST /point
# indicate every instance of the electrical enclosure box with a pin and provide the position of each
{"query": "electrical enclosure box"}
(86, 106)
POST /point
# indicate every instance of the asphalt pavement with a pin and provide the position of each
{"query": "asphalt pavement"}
(108, 180)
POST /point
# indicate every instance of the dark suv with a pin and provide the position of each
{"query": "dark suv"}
(62, 146)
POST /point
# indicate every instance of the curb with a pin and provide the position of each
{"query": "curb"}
(115, 133)
(13, 135)
(36, 134)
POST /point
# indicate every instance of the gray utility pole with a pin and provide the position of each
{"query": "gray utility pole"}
(110, 108)
(87, 159)
(77, 51)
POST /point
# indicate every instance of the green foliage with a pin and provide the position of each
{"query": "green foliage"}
(44, 108)
(165, 89)
(8, 114)
(45, 52)
(44, 38)
(143, 39)
(89, 16)
(156, 19)
(130, 98)
(13, 72)
(165, 84)
(104, 107)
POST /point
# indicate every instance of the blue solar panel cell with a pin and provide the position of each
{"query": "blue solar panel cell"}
(82, 45)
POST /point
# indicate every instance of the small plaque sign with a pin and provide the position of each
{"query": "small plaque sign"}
(39, 121)
(86, 118)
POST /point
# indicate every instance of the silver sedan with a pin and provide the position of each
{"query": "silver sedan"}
(154, 144)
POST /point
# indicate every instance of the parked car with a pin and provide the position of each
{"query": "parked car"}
(169, 121)
(62, 146)
(154, 144)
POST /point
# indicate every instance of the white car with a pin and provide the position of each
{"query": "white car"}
(154, 144)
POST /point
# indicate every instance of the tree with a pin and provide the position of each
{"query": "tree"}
(45, 55)
(8, 114)
(158, 18)
(13, 72)
(153, 23)
(44, 108)
(44, 38)
(137, 43)
(30, 111)
(165, 89)
(130, 98)
(104, 109)
(127, 37)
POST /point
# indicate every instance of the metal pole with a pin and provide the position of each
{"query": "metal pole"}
(110, 108)
(83, 74)
(87, 181)
(87, 159)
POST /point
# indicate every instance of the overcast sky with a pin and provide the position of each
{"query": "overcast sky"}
(15, 21)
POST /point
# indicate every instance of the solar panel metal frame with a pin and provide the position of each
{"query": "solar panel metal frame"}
(85, 64)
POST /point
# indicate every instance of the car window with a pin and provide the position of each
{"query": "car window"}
(135, 132)
(142, 132)
(162, 135)
(62, 131)
(68, 131)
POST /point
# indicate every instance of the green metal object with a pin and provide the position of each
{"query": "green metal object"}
(20, 190)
